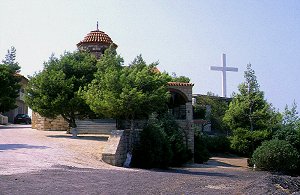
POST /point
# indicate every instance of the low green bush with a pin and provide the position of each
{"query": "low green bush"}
(276, 155)
(175, 137)
(154, 149)
(290, 135)
(161, 145)
(201, 153)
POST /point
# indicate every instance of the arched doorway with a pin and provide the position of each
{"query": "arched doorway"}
(177, 104)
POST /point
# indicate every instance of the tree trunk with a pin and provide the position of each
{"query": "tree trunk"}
(71, 122)
(250, 117)
(251, 127)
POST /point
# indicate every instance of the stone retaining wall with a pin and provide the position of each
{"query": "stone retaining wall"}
(187, 126)
(119, 144)
(3, 120)
(46, 124)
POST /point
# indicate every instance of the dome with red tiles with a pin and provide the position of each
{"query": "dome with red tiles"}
(97, 37)
(96, 42)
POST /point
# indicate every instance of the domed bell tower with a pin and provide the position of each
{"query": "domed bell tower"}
(96, 42)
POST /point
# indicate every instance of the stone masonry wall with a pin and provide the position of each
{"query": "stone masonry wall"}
(118, 145)
(187, 124)
(189, 133)
(115, 150)
(187, 90)
(47, 124)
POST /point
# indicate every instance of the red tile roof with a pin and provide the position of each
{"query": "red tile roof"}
(180, 84)
(155, 70)
(97, 36)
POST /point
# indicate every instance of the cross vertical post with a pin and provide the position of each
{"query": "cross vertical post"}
(224, 76)
(224, 69)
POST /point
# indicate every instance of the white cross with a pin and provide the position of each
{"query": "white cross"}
(224, 69)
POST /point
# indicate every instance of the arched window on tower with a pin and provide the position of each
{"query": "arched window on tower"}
(177, 105)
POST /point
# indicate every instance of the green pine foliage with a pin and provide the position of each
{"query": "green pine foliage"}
(250, 117)
(244, 142)
(129, 92)
(276, 155)
(249, 109)
(290, 135)
(9, 80)
(10, 60)
(290, 130)
(54, 91)
(181, 79)
(102, 94)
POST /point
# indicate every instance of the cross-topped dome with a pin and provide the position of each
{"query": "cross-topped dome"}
(97, 36)
(96, 42)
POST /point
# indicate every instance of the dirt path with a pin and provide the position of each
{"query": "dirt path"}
(40, 162)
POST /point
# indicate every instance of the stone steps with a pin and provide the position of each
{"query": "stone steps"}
(96, 126)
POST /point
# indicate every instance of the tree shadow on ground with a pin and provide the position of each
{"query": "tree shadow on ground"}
(19, 146)
(14, 126)
(216, 163)
(170, 170)
(86, 137)
(226, 161)
(194, 172)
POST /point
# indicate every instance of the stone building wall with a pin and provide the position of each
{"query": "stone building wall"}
(119, 143)
(187, 126)
(46, 124)
(185, 89)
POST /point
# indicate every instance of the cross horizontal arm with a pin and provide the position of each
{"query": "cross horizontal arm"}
(218, 68)
(231, 69)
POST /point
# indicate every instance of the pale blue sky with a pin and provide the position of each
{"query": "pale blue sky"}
(185, 36)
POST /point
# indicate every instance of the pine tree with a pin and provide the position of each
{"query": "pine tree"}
(9, 80)
(250, 117)
(10, 59)
(54, 91)
(249, 109)
(130, 92)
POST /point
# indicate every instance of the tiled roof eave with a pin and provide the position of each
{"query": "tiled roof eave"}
(97, 37)
(179, 84)
(95, 43)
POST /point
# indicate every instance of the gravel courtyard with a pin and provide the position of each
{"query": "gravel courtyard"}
(52, 162)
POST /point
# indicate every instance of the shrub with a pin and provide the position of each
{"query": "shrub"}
(276, 155)
(175, 136)
(161, 145)
(201, 153)
(290, 135)
(199, 112)
(244, 142)
(217, 144)
(154, 149)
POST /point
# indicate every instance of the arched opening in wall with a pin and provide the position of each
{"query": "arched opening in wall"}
(177, 104)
